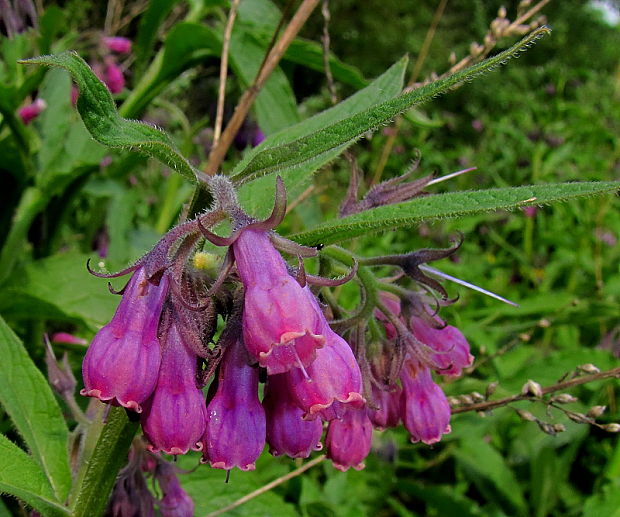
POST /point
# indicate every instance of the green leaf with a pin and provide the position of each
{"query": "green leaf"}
(59, 288)
(207, 488)
(453, 204)
(22, 477)
(98, 111)
(606, 503)
(28, 400)
(258, 194)
(275, 106)
(150, 21)
(341, 134)
(486, 468)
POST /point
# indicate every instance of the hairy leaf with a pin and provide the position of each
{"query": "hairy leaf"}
(341, 134)
(258, 194)
(28, 400)
(98, 111)
(453, 204)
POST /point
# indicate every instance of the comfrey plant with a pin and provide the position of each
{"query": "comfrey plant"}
(260, 350)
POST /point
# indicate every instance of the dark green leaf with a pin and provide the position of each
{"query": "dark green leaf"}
(150, 21)
(22, 477)
(344, 132)
(98, 111)
(27, 398)
(454, 204)
(486, 468)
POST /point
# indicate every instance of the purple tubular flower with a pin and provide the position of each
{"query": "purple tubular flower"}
(176, 501)
(451, 347)
(287, 432)
(425, 410)
(349, 439)
(235, 434)
(122, 363)
(31, 111)
(117, 44)
(281, 327)
(332, 383)
(174, 418)
(388, 404)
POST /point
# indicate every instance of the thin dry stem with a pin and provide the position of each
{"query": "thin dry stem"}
(218, 153)
(268, 486)
(219, 116)
(560, 386)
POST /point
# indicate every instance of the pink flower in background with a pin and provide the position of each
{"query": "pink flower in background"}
(117, 44)
(31, 111)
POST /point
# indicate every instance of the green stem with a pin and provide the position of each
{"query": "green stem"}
(101, 469)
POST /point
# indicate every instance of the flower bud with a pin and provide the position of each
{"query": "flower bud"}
(31, 111)
(526, 415)
(596, 411)
(532, 388)
(563, 398)
(588, 368)
(388, 403)
(611, 428)
(175, 502)
(349, 439)
(117, 44)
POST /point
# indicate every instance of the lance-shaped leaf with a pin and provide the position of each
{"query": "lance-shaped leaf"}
(294, 154)
(453, 204)
(98, 111)
(22, 477)
(28, 399)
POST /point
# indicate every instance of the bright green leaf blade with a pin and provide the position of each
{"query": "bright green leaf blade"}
(256, 197)
(22, 477)
(453, 204)
(98, 111)
(59, 288)
(28, 400)
(344, 132)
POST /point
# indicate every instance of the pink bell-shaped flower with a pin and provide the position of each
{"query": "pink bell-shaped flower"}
(387, 413)
(349, 440)
(331, 383)
(235, 435)
(117, 44)
(287, 432)
(174, 418)
(450, 346)
(281, 328)
(122, 363)
(425, 410)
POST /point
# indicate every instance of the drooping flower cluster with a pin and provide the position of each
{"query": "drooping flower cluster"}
(157, 354)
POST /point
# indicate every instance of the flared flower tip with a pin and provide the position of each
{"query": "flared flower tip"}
(175, 451)
(295, 349)
(95, 393)
(229, 466)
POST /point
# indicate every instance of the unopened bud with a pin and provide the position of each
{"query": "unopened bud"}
(466, 399)
(453, 401)
(475, 49)
(477, 396)
(60, 377)
(611, 428)
(547, 428)
(532, 388)
(563, 398)
(588, 368)
(490, 389)
(559, 428)
(596, 411)
(544, 323)
(526, 415)
(452, 58)
(501, 13)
